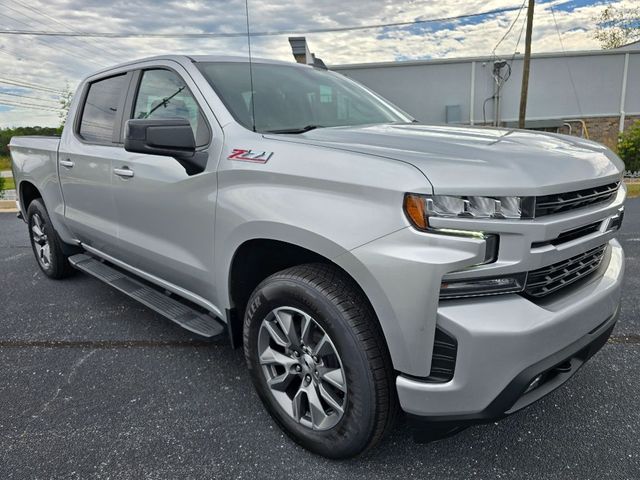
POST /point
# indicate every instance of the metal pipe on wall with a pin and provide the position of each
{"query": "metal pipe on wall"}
(623, 92)
(472, 93)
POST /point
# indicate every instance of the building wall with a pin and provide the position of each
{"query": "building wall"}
(601, 129)
(579, 85)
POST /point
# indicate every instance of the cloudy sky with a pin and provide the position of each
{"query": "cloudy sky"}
(50, 63)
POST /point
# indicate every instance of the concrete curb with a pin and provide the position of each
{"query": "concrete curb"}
(8, 206)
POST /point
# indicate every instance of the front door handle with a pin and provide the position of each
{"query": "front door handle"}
(123, 172)
(66, 163)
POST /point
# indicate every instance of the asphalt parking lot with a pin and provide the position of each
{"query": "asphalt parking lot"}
(94, 385)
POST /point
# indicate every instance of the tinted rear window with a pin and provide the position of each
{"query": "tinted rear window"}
(100, 109)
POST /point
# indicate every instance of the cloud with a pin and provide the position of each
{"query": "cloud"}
(53, 61)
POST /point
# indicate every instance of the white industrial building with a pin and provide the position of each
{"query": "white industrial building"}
(588, 93)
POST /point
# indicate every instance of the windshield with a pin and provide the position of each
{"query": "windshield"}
(294, 99)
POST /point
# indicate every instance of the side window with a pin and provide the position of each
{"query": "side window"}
(100, 109)
(163, 94)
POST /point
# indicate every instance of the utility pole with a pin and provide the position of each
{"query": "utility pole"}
(525, 67)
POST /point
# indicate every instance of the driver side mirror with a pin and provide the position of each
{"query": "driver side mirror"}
(171, 137)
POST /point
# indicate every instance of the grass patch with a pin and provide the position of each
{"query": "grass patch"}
(9, 184)
(633, 190)
(5, 163)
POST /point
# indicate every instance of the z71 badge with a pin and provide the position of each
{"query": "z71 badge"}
(243, 155)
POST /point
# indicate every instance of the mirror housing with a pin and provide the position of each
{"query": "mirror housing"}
(170, 137)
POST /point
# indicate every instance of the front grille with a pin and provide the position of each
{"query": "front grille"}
(443, 362)
(547, 280)
(561, 202)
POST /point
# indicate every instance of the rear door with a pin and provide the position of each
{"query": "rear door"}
(166, 215)
(85, 162)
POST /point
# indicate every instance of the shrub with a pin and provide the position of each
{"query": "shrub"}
(629, 147)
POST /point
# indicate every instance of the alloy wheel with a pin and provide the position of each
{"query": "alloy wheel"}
(302, 368)
(40, 241)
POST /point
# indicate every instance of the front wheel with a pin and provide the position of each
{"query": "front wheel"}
(318, 360)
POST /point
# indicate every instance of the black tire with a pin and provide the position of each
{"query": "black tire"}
(338, 306)
(58, 265)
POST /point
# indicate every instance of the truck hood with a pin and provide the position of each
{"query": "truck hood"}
(478, 160)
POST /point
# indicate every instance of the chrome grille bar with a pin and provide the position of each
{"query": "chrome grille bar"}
(561, 202)
(547, 280)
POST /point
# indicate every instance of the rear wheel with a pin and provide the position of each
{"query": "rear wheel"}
(318, 360)
(47, 246)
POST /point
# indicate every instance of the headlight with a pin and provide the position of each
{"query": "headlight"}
(483, 286)
(420, 207)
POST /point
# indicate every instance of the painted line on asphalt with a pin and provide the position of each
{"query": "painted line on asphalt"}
(105, 344)
(631, 339)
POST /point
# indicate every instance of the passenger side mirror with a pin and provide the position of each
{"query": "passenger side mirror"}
(171, 137)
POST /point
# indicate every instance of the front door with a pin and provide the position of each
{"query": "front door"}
(166, 216)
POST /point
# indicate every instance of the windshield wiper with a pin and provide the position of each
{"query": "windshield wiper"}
(165, 101)
(295, 130)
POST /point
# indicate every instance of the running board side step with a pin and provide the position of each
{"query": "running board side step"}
(176, 311)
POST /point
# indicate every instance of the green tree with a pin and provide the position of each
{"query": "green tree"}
(629, 147)
(617, 26)
(7, 133)
(65, 103)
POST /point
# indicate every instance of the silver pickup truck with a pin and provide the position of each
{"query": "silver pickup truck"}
(366, 263)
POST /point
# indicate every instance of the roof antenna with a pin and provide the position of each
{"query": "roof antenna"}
(253, 107)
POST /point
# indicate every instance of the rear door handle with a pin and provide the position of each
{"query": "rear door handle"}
(123, 172)
(66, 163)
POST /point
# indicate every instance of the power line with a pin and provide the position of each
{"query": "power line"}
(515, 49)
(96, 48)
(253, 34)
(493, 52)
(27, 96)
(58, 47)
(34, 86)
(27, 106)
(29, 103)
(566, 61)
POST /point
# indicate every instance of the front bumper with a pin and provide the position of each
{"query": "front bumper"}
(505, 342)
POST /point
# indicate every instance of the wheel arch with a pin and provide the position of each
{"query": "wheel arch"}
(27, 193)
(238, 287)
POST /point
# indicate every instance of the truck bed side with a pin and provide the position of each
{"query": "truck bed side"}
(35, 170)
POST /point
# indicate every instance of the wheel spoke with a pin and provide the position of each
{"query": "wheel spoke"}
(282, 382)
(37, 233)
(46, 254)
(36, 228)
(305, 329)
(285, 320)
(323, 347)
(318, 415)
(334, 377)
(329, 398)
(270, 356)
(297, 404)
(276, 335)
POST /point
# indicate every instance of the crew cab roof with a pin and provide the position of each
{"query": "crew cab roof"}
(184, 59)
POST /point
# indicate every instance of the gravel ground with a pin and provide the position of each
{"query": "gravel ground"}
(94, 385)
